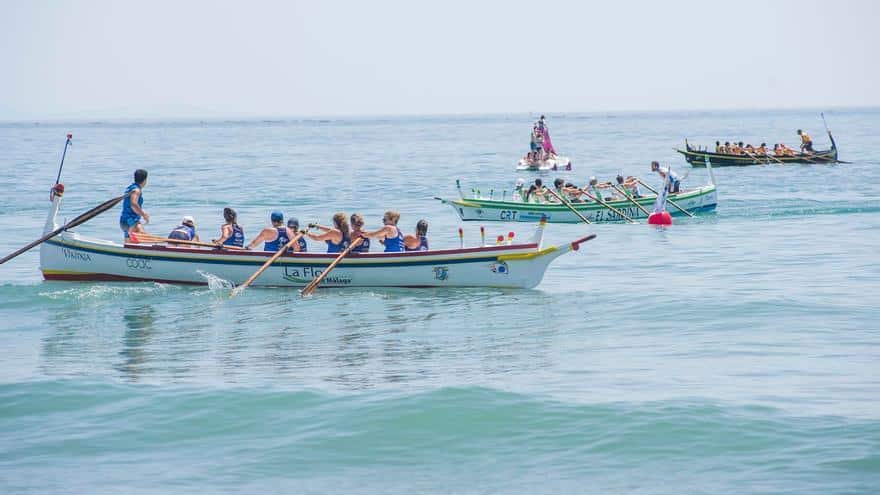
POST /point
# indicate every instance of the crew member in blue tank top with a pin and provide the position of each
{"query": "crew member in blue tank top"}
(357, 229)
(231, 234)
(418, 242)
(300, 246)
(389, 234)
(275, 237)
(186, 231)
(337, 237)
(132, 206)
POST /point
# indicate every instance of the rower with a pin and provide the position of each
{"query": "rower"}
(418, 242)
(519, 189)
(300, 246)
(718, 148)
(632, 187)
(132, 206)
(186, 231)
(231, 234)
(274, 237)
(337, 237)
(806, 142)
(674, 179)
(761, 150)
(389, 234)
(559, 188)
(593, 189)
(357, 228)
(726, 149)
(540, 191)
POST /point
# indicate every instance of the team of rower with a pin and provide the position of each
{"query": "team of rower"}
(779, 149)
(277, 234)
(621, 189)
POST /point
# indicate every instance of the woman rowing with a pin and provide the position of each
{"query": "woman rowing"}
(419, 241)
(357, 229)
(389, 234)
(301, 246)
(133, 206)
(337, 237)
(275, 236)
(231, 234)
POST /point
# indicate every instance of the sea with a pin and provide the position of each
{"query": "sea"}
(737, 352)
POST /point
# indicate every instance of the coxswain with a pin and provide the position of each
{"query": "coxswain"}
(337, 237)
(186, 231)
(806, 142)
(301, 246)
(418, 242)
(275, 236)
(231, 234)
(389, 234)
(357, 229)
(674, 180)
(132, 206)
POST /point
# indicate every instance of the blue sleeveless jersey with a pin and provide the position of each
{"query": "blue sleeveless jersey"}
(337, 248)
(128, 216)
(303, 247)
(394, 244)
(237, 237)
(183, 232)
(363, 247)
(423, 244)
(279, 241)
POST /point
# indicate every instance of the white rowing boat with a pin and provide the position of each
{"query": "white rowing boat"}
(71, 256)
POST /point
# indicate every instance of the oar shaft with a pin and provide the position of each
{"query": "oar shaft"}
(673, 203)
(266, 265)
(570, 207)
(69, 225)
(314, 283)
(630, 198)
(606, 205)
(63, 154)
(156, 238)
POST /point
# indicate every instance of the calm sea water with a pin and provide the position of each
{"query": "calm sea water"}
(735, 353)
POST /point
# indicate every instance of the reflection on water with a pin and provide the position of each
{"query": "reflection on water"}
(139, 330)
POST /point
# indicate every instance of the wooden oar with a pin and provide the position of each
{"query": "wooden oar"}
(314, 283)
(238, 290)
(85, 217)
(570, 207)
(156, 238)
(673, 203)
(633, 201)
(606, 205)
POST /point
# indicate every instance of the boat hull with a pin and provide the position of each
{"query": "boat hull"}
(71, 257)
(699, 200)
(698, 158)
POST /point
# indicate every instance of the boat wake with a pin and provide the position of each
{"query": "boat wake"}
(106, 292)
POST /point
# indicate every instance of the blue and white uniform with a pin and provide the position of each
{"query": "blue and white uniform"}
(363, 247)
(129, 218)
(303, 247)
(394, 244)
(423, 244)
(333, 247)
(183, 233)
(279, 241)
(237, 237)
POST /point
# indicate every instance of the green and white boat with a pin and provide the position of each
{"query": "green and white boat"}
(697, 200)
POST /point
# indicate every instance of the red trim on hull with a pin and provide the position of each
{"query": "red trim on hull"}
(106, 277)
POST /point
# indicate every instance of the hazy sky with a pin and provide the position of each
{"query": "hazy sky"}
(128, 59)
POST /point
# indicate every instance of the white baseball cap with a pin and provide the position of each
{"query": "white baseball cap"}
(189, 219)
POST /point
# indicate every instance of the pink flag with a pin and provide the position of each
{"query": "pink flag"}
(548, 145)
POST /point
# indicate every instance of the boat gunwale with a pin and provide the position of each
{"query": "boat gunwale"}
(644, 200)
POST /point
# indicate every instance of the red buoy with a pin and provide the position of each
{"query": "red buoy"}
(660, 218)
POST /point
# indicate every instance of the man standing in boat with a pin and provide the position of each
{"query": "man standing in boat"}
(674, 180)
(806, 141)
(132, 206)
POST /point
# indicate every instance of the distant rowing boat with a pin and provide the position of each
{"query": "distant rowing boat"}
(698, 158)
(701, 199)
(71, 256)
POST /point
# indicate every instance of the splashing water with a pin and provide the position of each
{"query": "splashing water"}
(215, 282)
